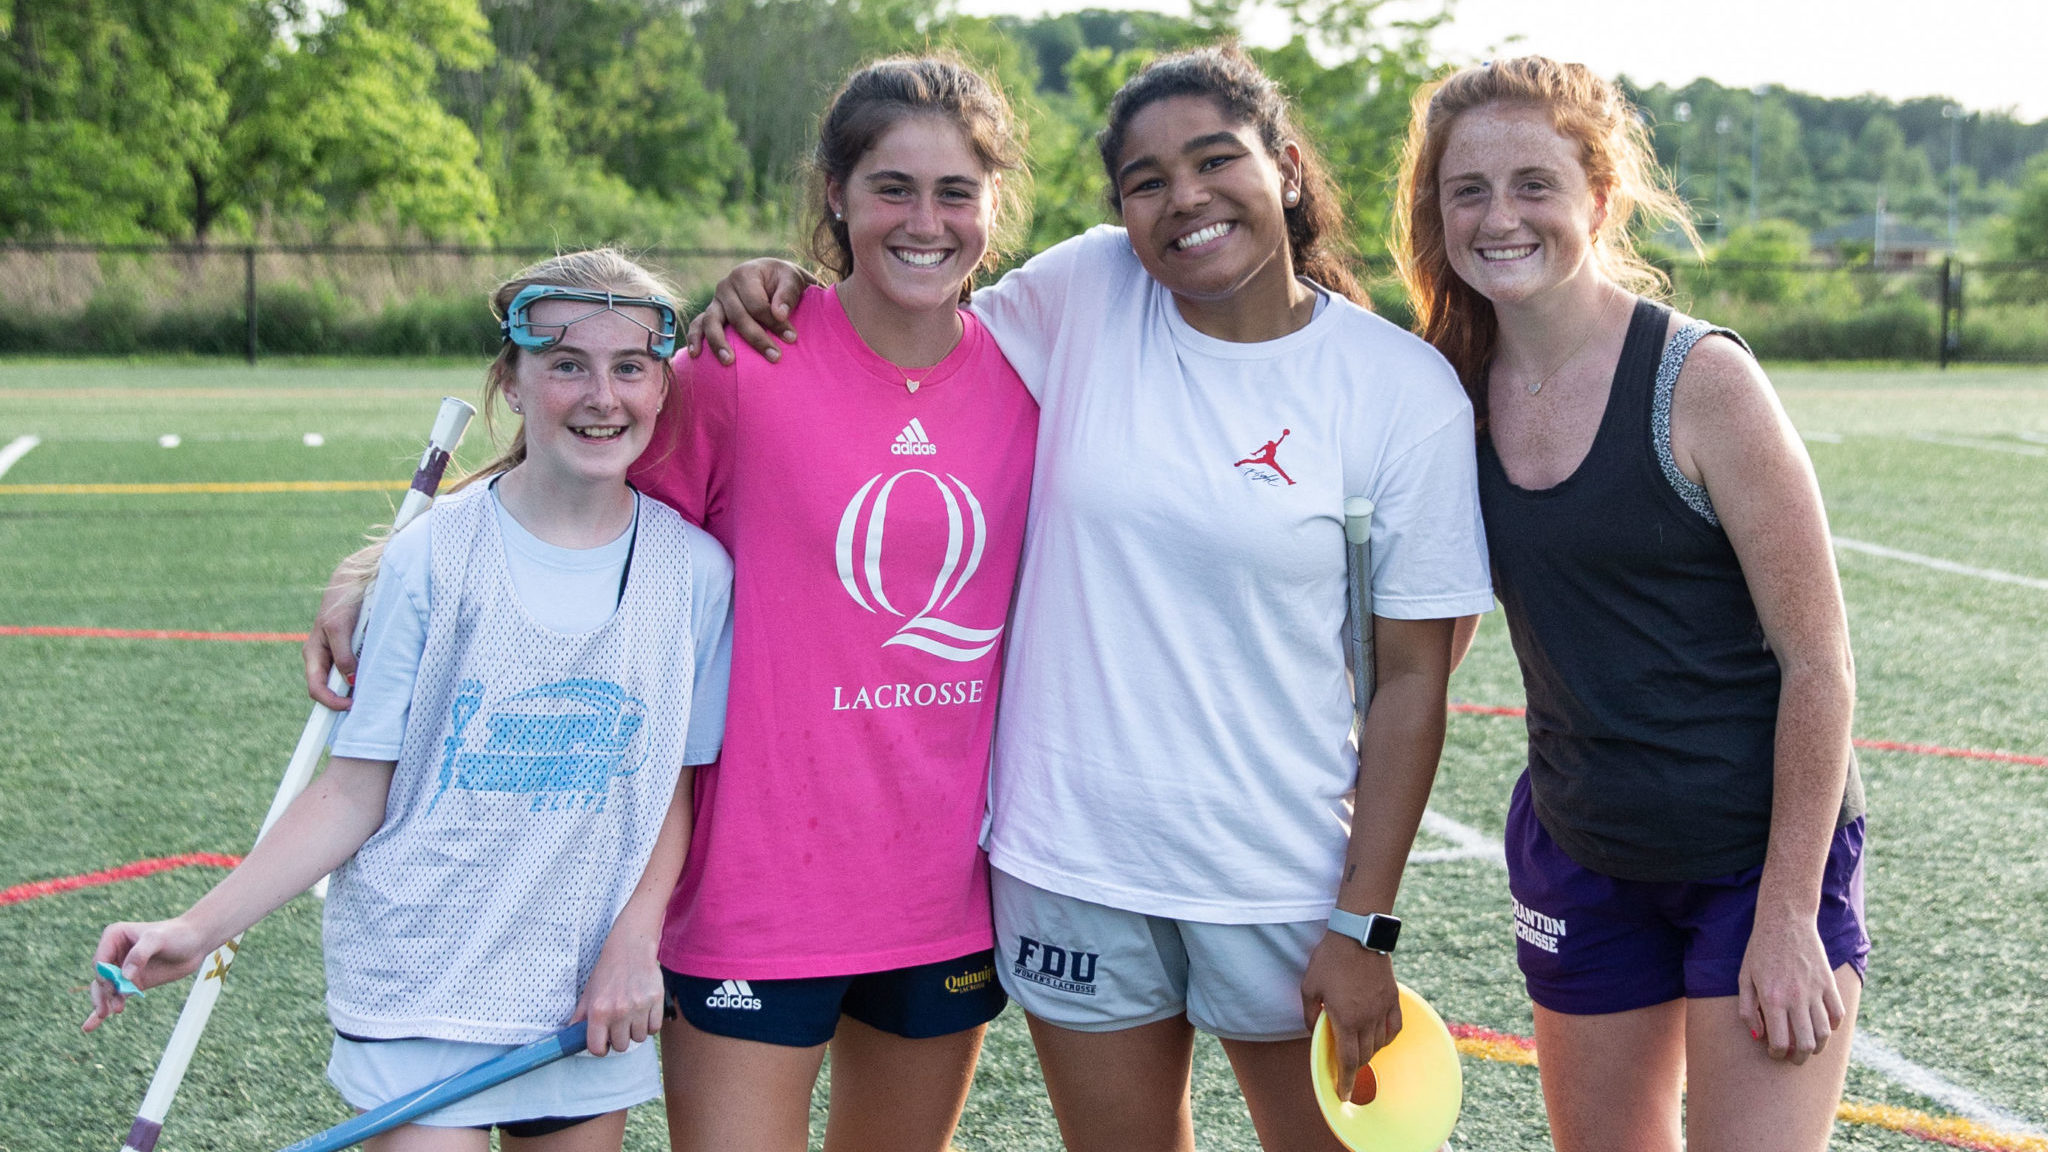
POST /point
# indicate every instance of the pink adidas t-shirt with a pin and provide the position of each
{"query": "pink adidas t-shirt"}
(875, 534)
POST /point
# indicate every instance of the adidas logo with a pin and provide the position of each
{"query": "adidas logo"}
(734, 994)
(912, 441)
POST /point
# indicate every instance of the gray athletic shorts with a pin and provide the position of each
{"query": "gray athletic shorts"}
(1094, 968)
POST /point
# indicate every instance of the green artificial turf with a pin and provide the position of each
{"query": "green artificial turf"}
(118, 750)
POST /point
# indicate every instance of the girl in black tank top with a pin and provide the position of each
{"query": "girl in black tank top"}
(1652, 693)
(1669, 585)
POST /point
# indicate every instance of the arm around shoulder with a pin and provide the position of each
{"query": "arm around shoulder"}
(1027, 307)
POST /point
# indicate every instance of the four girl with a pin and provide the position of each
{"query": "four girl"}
(1182, 837)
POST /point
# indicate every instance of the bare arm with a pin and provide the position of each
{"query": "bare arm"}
(1730, 434)
(1403, 739)
(623, 998)
(323, 827)
(753, 298)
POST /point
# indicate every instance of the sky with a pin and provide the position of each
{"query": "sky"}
(1985, 54)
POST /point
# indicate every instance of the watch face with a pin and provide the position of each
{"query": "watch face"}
(1381, 935)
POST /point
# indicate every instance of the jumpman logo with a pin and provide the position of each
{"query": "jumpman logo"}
(1269, 455)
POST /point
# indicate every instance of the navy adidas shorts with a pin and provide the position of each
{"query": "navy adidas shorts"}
(918, 1002)
(1590, 944)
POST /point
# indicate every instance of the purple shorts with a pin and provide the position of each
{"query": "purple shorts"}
(1590, 944)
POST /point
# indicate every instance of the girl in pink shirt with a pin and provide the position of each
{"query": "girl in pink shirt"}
(871, 486)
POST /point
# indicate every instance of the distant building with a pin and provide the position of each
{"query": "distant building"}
(1884, 239)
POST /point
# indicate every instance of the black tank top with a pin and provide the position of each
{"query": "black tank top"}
(1653, 696)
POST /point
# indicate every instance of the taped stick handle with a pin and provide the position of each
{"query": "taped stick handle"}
(450, 421)
(1358, 579)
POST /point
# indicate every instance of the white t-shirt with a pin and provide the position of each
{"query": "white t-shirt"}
(567, 589)
(1174, 730)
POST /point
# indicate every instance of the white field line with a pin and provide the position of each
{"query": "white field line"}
(1983, 445)
(1472, 844)
(1940, 565)
(1867, 1050)
(1881, 1058)
(12, 454)
(2034, 437)
(1821, 437)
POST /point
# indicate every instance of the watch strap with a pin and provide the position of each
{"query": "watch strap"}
(1375, 932)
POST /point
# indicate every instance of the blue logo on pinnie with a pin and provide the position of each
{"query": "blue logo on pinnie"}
(562, 742)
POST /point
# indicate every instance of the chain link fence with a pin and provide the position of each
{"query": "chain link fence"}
(278, 299)
(1944, 312)
(284, 300)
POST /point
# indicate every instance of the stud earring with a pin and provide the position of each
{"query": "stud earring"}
(838, 215)
(1292, 196)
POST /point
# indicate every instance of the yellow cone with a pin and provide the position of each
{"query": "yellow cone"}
(1420, 1086)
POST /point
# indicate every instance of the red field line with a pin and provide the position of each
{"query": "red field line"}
(152, 634)
(1487, 710)
(1475, 1032)
(140, 868)
(1962, 753)
(1873, 745)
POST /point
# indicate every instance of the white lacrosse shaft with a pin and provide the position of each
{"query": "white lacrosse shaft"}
(449, 425)
(1358, 573)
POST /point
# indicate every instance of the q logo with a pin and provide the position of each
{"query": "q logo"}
(966, 534)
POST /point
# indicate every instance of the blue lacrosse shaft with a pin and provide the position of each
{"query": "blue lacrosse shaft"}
(440, 1094)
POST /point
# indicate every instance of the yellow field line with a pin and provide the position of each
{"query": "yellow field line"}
(183, 489)
(1954, 1131)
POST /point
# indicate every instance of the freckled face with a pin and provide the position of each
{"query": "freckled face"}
(590, 401)
(918, 208)
(1519, 215)
(1203, 201)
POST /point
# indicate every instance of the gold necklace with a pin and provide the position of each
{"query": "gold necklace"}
(1576, 349)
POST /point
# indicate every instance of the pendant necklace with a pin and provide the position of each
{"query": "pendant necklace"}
(1578, 348)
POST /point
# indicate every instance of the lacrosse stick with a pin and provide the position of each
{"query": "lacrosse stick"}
(449, 424)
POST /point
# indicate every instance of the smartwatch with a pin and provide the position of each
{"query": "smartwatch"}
(1376, 932)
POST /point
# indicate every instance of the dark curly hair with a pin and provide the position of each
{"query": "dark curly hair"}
(1318, 235)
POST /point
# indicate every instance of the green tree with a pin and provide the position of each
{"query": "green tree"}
(2028, 228)
(1764, 243)
(109, 104)
(775, 62)
(625, 86)
(374, 138)
(178, 117)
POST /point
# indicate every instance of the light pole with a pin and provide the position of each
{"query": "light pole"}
(1953, 113)
(1682, 112)
(1756, 148)
(1722, 127)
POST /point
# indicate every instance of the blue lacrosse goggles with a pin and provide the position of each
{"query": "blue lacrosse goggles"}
(520, 330)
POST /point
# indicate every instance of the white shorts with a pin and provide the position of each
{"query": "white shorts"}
(375, 1072)
(1094, 968)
